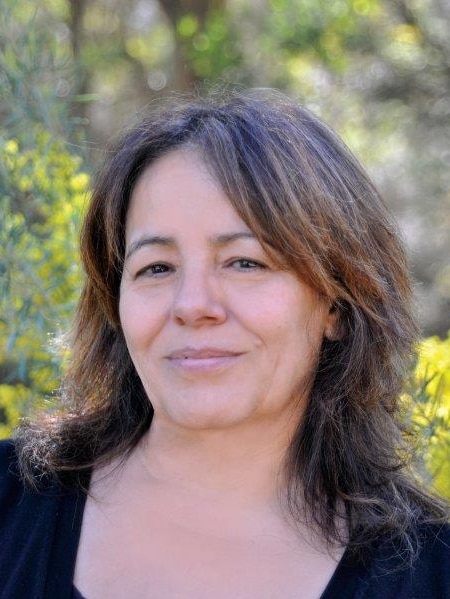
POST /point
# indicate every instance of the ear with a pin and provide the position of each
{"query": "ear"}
(333, 325)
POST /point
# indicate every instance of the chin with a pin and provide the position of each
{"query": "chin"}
(206, 413)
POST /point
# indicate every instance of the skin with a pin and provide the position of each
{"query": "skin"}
(204, 484)
(196, 293)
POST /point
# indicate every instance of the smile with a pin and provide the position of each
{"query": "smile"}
(203, 360)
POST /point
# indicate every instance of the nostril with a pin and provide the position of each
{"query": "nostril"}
(199, 312)
(198, 300)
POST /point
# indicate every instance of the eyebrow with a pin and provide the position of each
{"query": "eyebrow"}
(218, 240)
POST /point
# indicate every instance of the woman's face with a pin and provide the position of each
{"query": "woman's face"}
(219, 334)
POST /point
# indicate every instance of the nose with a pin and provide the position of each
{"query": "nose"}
(198, 299)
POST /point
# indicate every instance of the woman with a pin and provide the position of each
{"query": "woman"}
(232, 402)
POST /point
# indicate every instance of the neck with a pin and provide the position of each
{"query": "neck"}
(242, 464)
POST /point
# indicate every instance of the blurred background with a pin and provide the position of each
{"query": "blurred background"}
(73, 72)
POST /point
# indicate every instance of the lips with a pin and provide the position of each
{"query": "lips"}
(201, 361)
(202, 353)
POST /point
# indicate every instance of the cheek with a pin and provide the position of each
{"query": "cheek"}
(141, 320)
(289, 324)
(280, 313)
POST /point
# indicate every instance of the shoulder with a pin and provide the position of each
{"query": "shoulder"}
(427, 576)
(38, 531)
(7, 453)
(10, 482)
(15, 496)
(434, 555)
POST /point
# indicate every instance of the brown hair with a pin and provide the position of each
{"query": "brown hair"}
(300, 190)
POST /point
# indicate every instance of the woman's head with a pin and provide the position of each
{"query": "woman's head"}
(287, 179)
(301, 192)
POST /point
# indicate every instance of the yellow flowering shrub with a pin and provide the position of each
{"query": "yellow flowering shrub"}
(42, 198)
(429, 412)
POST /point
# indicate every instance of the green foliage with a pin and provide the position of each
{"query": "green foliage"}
(325, 31)
(32, 66)
(213, 52)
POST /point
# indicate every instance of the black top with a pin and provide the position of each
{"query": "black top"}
(39, 535)
(76, 594)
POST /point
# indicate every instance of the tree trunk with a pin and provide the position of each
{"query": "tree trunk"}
(81, 82)
(184, 77)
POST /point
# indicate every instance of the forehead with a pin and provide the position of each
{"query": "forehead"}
(176, 191)
(174, 167)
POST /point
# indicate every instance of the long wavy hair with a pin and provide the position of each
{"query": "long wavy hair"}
(300, 190)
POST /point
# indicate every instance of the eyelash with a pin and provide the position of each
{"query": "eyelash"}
(148, 269)
(256, 265)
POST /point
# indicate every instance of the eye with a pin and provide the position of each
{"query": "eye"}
(159, 269)
(246, 264)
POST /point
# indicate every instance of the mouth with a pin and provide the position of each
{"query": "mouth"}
(203, 360)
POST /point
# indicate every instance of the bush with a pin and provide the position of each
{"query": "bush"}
(429, 411)
(42, 194)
